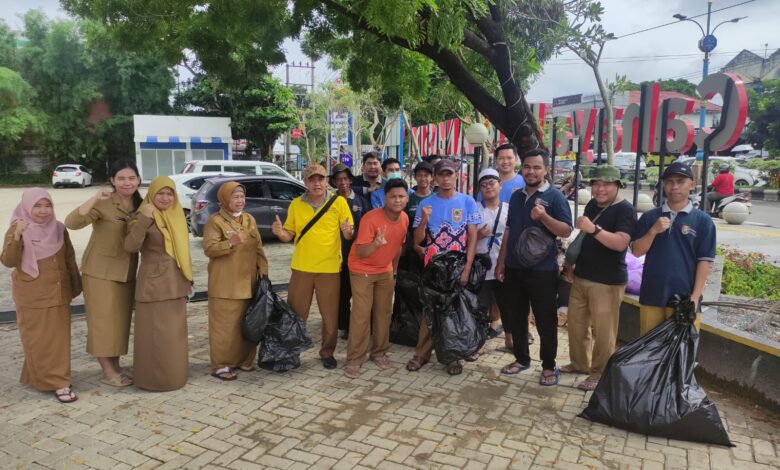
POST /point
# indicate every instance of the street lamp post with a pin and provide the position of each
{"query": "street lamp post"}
(476, 135)
(707, 44)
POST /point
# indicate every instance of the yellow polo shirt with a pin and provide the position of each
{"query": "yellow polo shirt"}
(320, 250)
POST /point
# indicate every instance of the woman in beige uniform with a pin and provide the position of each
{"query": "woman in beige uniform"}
(44, 282)
(108, 270)
(159, 231)
(236, 261)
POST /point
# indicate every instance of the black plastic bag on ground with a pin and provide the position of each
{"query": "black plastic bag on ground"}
(258, 313)
(458, 325)
(649, 386)
(480, 267)
(284, 338)
(407, 309)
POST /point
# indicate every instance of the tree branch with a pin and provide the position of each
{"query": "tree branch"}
(478, 45)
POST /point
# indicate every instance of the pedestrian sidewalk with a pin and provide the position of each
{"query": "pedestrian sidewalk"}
(314, 418)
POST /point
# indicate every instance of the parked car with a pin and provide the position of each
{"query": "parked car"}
(71, 175)
(266, 197)
(742, 176)
(187, 184)
(245, 167)
(562, 169)
(626, 163)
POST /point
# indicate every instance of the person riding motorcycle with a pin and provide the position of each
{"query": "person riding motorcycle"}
(722, 185)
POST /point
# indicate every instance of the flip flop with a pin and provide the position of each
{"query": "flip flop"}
(224, 374)
(588, 385)
(67, 396)
(247, 369)
(353, 372)
(568, 369)
(119, 381)
(548, 380)
(415, 364)
(455, 368)
(514, 368)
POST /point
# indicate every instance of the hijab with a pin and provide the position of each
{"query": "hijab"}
(172, 225)
(223, 196)
(39, 240)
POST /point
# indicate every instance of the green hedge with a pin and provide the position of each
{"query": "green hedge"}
(25, 180)
(749, 275)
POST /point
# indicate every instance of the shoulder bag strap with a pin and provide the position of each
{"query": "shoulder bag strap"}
(316, 217)
(495, 226)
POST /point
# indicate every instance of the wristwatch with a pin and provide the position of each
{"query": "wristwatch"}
(596, 230)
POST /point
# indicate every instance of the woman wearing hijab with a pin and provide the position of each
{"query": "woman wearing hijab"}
(108, 270)
(236, 261)
(45, 280)
(159, 232)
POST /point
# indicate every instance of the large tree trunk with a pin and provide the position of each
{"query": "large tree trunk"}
(608, 114)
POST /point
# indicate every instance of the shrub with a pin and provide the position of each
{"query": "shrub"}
(748, 274)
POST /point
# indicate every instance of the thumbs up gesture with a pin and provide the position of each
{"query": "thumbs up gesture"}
(346, 229)
(276, 227)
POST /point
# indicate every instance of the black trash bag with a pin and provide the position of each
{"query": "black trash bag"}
(407, 309)
(480, 267)
(649, 386)
(443, 270)
(258, 313)
(284, 338)
(457, 324)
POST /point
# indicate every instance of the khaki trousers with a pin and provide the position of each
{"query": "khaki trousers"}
(650, 317)
(303, 286)
(594, 312)
(372, 302)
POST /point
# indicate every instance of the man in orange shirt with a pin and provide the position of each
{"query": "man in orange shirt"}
(373, 261)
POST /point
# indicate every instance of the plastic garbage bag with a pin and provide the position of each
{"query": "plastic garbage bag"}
(479, 270)
(407, 309)
(649, 386)
(458, 325)
(634, 267)
(284, 338)
(258, 313)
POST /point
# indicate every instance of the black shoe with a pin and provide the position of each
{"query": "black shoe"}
(329, 362)
(530, 338)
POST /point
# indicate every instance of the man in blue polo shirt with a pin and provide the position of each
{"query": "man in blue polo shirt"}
(543, 207)
(680, 245)
(511, 181)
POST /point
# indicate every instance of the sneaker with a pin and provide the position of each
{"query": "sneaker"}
(329, 362)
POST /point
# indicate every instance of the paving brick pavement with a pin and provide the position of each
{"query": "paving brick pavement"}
(314, 418)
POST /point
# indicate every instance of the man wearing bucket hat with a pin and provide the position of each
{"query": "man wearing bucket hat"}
(341, 179)
(598, 275)
(679, 241)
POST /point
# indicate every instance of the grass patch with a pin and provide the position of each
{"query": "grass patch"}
(25, 180)
(748, 274)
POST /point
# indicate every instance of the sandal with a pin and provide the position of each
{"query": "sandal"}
(382, 362)
(514, 368)
(549, 378)
(476, 355)
(247, 369)
(494, 332)
(454, 368)
(588, 385)
(568, 369)
(119, 381)
(65, 395)
(415, 364)
(224, 374)
(353, 372)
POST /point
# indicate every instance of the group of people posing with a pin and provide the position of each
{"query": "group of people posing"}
(348, 247)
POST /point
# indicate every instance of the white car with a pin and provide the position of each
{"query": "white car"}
(187, 184)
(71, 175)
(742, 176)
(245, 167)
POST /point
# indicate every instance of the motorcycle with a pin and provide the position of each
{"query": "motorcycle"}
(717, 209)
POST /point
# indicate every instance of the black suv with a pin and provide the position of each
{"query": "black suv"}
(266, 197)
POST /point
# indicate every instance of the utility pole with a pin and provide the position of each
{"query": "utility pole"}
(309, 86)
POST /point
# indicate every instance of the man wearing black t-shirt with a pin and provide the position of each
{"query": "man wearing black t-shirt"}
(599, 277)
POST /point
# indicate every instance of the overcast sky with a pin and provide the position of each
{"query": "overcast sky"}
(668, 52)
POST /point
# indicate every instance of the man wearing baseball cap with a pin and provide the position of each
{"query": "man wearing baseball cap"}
(316, 221)
(598, 276)
(679, 242)
(341, 179)
(447, 220)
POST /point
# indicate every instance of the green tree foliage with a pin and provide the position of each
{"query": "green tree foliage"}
(7, 47)
(485, 48)
(18, 119)
(764, 113)
(260, 110)
(679, 85)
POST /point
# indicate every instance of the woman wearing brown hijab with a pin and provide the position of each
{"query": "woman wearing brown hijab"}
(44, 282)
(236, 260)
(159, 232)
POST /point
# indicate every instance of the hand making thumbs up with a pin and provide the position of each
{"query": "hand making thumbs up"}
(276, 227)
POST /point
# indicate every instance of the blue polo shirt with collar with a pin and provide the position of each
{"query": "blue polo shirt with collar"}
(670, 264)
(519, 219)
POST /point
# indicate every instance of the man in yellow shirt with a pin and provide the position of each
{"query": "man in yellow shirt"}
(316, 260)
